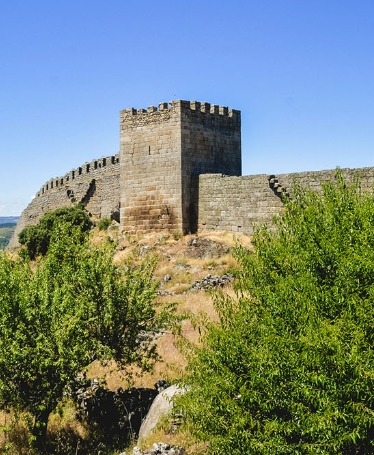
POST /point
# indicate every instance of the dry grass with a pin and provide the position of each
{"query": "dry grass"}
(64, 418)
(172, 363)
(174, 259)
(13, 435)
(183, 270)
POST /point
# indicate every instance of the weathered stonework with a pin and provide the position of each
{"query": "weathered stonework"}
(240, 204)
(179, 169)
(94, 184)
(163, 151)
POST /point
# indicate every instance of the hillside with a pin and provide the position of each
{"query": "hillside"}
(306, 306)
(188, 268)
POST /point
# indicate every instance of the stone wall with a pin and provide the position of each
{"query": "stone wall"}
(314, 179)
(239, 204)
(94, 184)
(231, 203)
(235, 204)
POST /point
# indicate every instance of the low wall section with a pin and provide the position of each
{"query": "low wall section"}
(239, 204)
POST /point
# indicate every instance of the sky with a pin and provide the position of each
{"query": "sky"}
(300, 71)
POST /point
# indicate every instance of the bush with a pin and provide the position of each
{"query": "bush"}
(57, 316)
(290, 367)
(37, 238)
(104, 223)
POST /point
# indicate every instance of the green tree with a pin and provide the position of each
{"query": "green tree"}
(36, 238)
(290, 367)
(74, 306)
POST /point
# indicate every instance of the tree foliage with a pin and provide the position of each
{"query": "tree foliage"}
(290, 367)
(56, 316)
(36, 238)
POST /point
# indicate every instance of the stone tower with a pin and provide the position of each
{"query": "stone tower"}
(163, 152)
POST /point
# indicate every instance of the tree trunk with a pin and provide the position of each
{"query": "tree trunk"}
(39, 430)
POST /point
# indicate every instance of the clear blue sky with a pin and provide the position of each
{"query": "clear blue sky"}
(301, 72)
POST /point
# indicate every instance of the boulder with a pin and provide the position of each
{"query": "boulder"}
(161, 406)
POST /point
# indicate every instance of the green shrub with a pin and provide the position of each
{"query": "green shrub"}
(104, 223)
(73, 306)
(37, 238)
(290, 367)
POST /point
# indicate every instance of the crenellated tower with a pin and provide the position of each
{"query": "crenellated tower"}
(162, 153)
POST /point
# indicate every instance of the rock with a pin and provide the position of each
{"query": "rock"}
(161, 406)
(210, 281)
(160, 448)
(206, 248)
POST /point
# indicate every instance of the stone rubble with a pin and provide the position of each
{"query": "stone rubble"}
(206, 283)
(119, 413)
(211, 281)
(159, 448)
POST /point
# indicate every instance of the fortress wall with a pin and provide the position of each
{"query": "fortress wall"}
(236, 204)
(150, 181)
(239, 204)
(94, 184)
(314, 179)
(178, 169)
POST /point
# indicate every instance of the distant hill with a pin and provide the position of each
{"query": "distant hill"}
(7, 226)
(8, 219)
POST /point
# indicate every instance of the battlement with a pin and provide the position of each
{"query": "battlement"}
(207, 108)
(180, 106)
(94, 166)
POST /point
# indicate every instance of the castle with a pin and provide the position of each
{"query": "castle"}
(178, 169)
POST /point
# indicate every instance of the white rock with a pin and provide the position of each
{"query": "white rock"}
(161, 406)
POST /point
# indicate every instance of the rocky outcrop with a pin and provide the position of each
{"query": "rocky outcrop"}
(205, 248)
(161, 406)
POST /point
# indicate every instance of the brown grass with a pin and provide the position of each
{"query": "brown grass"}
(64, 418)
(172, 363)
(13, 435)
(174, 260)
